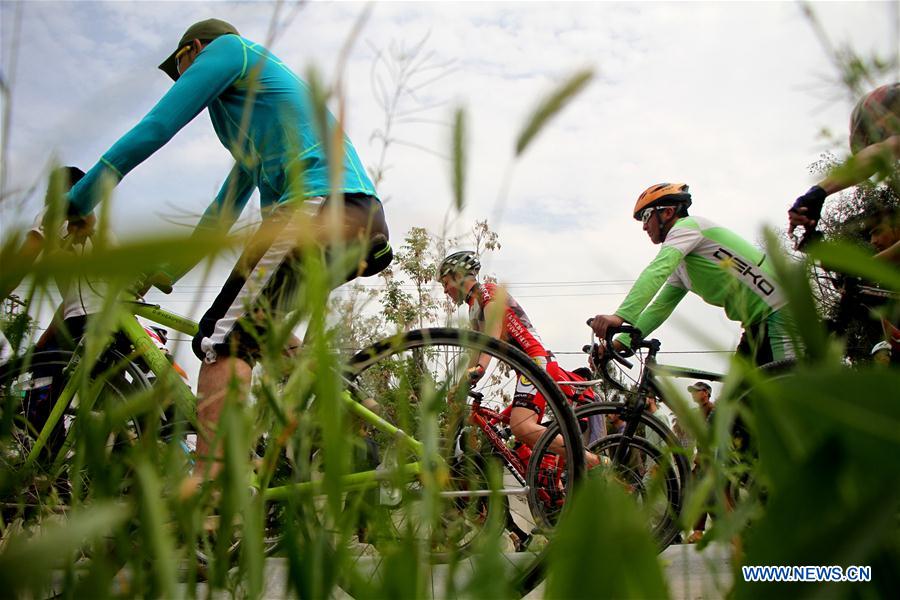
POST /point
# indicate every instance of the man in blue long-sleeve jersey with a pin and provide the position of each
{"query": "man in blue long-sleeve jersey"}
(264, 115)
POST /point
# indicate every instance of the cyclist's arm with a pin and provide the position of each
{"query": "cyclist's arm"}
(656, 314)
(23, 258)
(229, 203)
(663, 305)
(649, 283)
(494, 321)
(880, 157)
(865, 163)
(215, 69)
(891, 253)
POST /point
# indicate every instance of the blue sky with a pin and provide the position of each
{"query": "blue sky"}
(728, 97)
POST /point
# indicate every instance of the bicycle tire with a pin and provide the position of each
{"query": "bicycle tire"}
(43, 372)
(741, 486)
(434, 358)
(545, 500)
(664, 526)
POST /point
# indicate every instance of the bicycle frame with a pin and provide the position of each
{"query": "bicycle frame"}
(146, 349)
(482, 418)
(648, 385)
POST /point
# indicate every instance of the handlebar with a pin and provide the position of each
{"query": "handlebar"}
(620, 356)
(601, 358)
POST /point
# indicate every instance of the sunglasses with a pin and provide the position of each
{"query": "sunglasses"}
(178, 56)
(646, 214)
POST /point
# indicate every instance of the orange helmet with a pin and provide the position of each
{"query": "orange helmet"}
(662, 194)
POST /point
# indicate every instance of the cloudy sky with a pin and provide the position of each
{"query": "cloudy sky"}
(731, 98)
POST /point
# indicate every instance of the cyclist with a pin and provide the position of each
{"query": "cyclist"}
(874, 141)
(701, 393)
(497, 314)
(884, 235)
(713, 262)
(80, 296)
(264, 115)
(72, 235)
(6, 350)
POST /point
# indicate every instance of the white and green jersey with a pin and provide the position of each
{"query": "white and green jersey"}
(713, 262)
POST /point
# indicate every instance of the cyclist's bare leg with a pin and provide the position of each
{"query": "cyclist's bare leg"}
(523, 422)
(358, 222)
(214, 383)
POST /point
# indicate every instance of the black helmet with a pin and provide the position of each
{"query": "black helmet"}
(875, 117)
(464, 262)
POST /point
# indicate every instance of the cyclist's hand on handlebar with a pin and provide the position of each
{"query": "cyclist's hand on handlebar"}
(810, 233)
(81, 228)
(799, 218)
(805, 213)
(807, 208)
(601, 323)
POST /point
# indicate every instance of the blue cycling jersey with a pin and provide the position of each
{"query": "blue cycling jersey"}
(262, 113)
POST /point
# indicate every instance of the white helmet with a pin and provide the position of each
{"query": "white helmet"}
(879, 347)
(464, 262)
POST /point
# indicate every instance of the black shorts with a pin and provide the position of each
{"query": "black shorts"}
(265, 281)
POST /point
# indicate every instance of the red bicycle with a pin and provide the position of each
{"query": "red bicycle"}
(486, 434)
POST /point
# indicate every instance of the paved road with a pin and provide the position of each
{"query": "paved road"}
(691, 575)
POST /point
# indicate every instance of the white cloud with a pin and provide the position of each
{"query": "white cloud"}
(728, 97)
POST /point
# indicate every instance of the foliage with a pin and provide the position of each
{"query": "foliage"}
(845, 219)
(459, 151)
(16, 323)
(603, 516)
(122, 517)
(399, 78)
(550, 106)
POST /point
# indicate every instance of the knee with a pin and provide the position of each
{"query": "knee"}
(222, 371)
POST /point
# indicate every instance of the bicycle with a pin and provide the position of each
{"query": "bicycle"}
(487, 432)
(645, 458)
(440, 495)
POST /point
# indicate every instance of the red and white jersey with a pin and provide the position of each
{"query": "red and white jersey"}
(517, 327)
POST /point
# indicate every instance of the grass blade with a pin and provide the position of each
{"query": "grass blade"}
(551, 105)
(459, 158)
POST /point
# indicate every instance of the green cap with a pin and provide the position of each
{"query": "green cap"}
(207, 30)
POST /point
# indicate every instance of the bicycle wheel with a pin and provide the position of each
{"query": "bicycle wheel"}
(442, 525)
(654, 472)
(59, 475)
(742, 487)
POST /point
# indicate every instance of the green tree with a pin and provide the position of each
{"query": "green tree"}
(356, 327)
(415, 260)
(16, 323)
